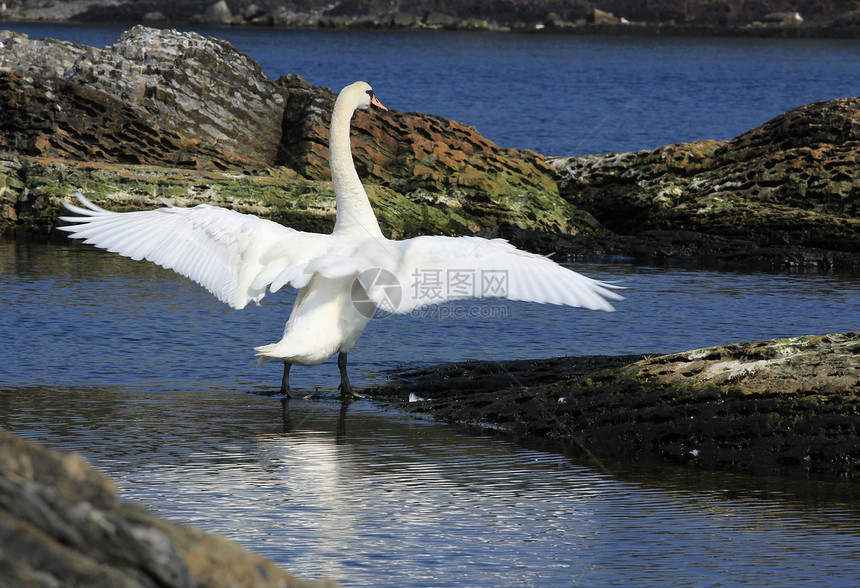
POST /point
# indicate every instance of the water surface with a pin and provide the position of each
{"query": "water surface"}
(152, 380)
(78, 315)
(374, 498)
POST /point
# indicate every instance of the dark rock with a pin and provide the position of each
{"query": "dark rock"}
(215, 14)
(62, 525)
(153, 97)
(721, 13)
(792, 182)
(727, 16)
(786, 406)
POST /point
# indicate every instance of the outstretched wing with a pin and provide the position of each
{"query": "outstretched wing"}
(434, 270)
(233, 255)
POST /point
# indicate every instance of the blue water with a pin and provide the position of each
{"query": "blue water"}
(556, 94)
(151, 378)
(133, 323)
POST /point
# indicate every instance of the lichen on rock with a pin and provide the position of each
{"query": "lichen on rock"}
(794, 180)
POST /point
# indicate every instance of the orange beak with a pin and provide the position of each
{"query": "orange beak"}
(375, 102)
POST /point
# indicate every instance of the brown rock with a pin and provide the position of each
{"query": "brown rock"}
(431, 160)
(62, 525)
(794, 181)
(153, 97)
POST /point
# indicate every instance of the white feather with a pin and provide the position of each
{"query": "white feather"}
(224, 251)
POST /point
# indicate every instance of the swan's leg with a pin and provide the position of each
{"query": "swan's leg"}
(285, 380)
(345, 387)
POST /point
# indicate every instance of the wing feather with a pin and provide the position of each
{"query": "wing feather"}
(233, 255)
(434, 270)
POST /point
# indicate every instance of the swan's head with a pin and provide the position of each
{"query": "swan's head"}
(360, 96)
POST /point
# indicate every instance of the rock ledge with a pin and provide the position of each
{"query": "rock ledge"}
(787, 405)
(62, 525)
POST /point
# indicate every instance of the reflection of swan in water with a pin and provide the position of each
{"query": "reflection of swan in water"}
(341, 277)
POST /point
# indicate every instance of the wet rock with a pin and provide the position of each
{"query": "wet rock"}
(62, 525)
(788, 405)
(792, 182)
(152, 97)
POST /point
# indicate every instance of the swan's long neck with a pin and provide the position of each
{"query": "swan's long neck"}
(353, 207)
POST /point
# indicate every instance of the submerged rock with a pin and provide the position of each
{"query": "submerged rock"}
(62, 525)
(787, 405)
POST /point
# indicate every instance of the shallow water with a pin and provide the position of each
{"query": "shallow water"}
(81, 316)
(152, 380)
(380, 499)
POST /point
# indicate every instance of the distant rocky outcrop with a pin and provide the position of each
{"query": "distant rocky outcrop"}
(792, 182)
(62, 525)
(776, 406)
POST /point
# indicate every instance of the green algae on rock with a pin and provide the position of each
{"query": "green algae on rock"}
(793, 181)
(425, 174)
(785, 405)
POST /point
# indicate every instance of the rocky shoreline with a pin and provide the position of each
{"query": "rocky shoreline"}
(787, 406)
(125, 125)
(668, 17)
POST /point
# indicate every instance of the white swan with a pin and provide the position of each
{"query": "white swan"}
(341, 277)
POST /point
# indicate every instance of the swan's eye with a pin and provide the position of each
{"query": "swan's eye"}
(370, 93)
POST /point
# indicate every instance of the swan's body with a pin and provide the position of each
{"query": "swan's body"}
(238, 257)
